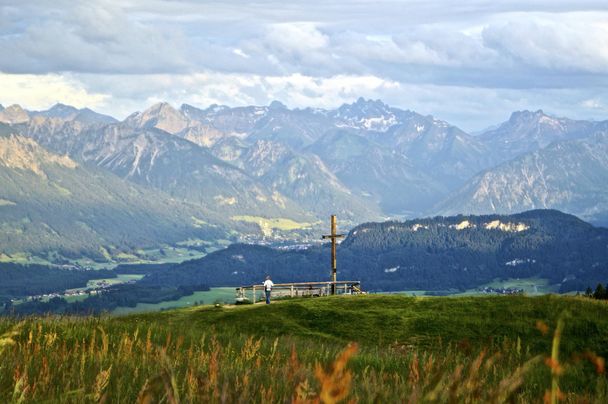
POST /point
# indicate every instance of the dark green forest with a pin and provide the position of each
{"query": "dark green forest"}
(391, 256)
(125, 295)
(18, 281)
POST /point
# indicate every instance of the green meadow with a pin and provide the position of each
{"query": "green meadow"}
(212, 296)
(372, 348)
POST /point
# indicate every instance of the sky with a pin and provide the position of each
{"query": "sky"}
(470, 62)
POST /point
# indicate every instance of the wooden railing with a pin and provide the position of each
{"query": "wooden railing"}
(298, 289)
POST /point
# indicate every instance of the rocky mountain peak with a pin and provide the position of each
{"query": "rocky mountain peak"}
(190, 111)
(160, 108)
(365, 107)
(14, 114)
(61, 111)
(541, 120)
(64, 113)
(161, 116)
(526, 116)
(536, 126)
(193, 115)
(366, 115)
(277, 105)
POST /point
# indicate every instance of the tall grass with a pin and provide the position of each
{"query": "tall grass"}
(96, 359)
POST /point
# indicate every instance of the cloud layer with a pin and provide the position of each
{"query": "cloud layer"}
(472, 62)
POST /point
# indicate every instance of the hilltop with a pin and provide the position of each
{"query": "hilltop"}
(378, 320)
(424, 349)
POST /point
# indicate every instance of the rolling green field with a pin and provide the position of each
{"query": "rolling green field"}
(530, 286)
(268, 225)
(120, 278)
(220, 295)
(92, 284)
(336, 349)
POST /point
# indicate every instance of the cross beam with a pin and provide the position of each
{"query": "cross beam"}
(334, 236)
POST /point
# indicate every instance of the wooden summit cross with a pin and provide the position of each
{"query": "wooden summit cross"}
(333, 236)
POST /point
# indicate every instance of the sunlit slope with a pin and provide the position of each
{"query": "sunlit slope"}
(52, 206)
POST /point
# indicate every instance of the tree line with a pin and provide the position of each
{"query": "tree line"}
(600, 292)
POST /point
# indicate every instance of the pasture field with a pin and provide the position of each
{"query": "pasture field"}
(364, 349)
(219, 295)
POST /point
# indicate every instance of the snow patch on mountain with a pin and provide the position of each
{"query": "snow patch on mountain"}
(391, 270)
(380, 123)
(555, 123)
(520, 261)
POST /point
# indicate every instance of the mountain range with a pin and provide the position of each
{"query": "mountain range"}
(274, 173)
(570, 176)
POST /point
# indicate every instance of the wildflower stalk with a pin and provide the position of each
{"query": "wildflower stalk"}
(555, 367)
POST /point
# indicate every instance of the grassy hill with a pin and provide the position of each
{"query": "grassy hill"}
(368, 348)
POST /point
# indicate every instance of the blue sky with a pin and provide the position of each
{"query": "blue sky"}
(468, 62)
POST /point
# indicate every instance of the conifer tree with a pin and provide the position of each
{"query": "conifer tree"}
(600, 292)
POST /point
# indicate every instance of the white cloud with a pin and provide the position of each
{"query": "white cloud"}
(576, 42)
(88, 37)
(240, 53)
(471, 108)
(42, 91)
(203, 89)
(594, 104)
(470, 62)
(299, 37)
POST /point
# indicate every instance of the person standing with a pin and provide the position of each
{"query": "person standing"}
(268, 288)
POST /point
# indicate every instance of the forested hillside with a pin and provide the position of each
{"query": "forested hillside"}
(441, 253)
(18, 281)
